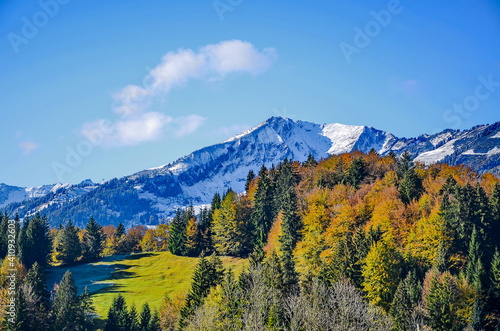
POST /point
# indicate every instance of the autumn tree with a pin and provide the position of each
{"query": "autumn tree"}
(382, 273)
(227, 229)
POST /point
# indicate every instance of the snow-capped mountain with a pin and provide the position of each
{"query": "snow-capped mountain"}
(14, 196)
(154, 194)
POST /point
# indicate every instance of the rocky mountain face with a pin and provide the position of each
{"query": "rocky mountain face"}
(154, 194)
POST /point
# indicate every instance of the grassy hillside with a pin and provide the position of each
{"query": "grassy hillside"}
(140, 278)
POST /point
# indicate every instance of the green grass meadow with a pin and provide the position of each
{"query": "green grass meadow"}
(140, 278)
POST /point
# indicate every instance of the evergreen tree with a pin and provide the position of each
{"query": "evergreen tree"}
(250, 178)
(66, 309)
(441, 258)
(310, 162)
(4, 227)
(262, 213)
(216, 202)
(465, 217)
(23, 244)
(495, 281)
(21, 319)
(356, 172)
(118, 318)
(36, 279)
(474, 272)
(120, 230)
(440, 306)
(205, 230)
(134, 321)
(145, 317)
(177, 236)
(69, 248)
(495, 212)
(285, 182)
(33, 242)
(208, 273)
(404, 164)
(405, 300)
(93, 241)
(154, 324)
(411, 187)
(88, 308)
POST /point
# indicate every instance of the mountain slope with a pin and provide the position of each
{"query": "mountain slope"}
(154, 194)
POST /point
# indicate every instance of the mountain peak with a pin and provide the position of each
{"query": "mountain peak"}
(155, 194)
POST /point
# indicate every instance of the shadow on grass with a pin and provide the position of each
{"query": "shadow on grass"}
(141, 255)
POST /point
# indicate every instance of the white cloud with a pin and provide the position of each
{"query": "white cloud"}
(28, 146)
(238, 56)
(187, 124)
(210, 63)
(129, 131)
(178, 68)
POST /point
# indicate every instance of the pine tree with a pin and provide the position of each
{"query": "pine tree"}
(87, 305)
(36, 279)
(66, 309)
(495, 280)
(69, 248)
(310, 162)
(404, 164)
(495, 211)
(405, 300)
(145, 317)
(36, 298)
(411, 187)
(154, 324)
(34, 242)
(134, 321)
(441, 310)
(356, 172)
(441, 258)
(208, 273)
(118, 318)
(4, 227)
(262, 214)
(23, 244)
(474, 272)
(93, 241)
(250, 178)
(273, 272)
(177, 237)
(21, 319)
(205, 230)
(120, 230)
(287, 204)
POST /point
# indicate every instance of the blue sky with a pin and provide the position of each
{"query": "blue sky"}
(102, 89)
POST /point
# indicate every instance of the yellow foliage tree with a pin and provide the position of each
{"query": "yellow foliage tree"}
(382, 273)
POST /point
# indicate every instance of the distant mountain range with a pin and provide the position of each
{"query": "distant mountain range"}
(154, 194)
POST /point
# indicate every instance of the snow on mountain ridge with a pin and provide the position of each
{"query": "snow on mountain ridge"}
(156, 193)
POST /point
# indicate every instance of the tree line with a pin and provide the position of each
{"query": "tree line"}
(354, 241)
